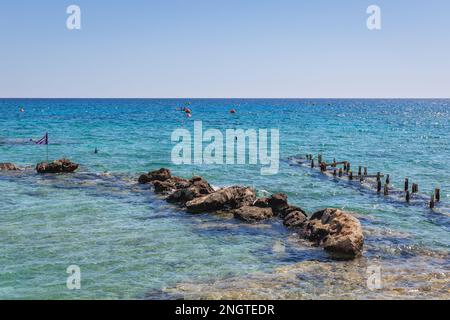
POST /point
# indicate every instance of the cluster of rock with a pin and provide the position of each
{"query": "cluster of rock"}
(8, 167)
(338, 232)
(57, 166)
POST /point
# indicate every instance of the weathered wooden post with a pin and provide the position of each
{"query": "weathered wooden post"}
(334, 162)
(415, 188)
(350, 175)
(388, 179)
(359, 170)
(340, 172)
(334, 172)
(365, 171)
(432, 202)
(406, 184)
(319, 158)
(345, 166)
(348, 167)
(378, 186)
(408, 196)
(378, 176)
(312, 163)
(437, 194)
(386, 189)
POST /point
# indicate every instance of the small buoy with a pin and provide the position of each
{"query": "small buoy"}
(233, 110)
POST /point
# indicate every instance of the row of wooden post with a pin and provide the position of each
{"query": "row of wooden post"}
(436, 197)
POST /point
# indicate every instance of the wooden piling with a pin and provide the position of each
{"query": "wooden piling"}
(378, 186)
(340, 172)
(348, 167)
(334, 163)
(359, 170)
(334, 172)
(319, 158)
(437, 194)
(350, 175)
(365, 171)
(388, 180)
(432, 202)
(378, 176)
(406, 184)
(408, 196)
(386, 189)
(312, 163)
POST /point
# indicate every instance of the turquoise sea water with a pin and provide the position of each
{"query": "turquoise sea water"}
(131, 244)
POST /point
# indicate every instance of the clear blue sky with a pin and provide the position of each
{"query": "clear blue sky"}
(225, 48)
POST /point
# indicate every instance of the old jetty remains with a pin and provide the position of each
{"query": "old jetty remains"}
(341, 170)
(338, 232)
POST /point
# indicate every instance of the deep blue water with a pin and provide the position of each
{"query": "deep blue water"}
(131, 244)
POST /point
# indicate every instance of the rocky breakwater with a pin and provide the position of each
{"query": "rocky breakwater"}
(338, 232)
(57, 166)
(8, 167)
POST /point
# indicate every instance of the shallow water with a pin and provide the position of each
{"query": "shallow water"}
(131, 244)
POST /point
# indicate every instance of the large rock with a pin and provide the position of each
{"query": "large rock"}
(280, 206)
(57, 166)
(295, 219)
(161, 175)
(252, 213)
(8, 167)
(223, 199)
(339, 232)
(188, 190)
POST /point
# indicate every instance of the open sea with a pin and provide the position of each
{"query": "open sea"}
(131, 244)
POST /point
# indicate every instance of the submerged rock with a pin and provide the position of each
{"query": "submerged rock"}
(223, 199)
(161, 175)
(57, 166)
(8, 167)
(252, 213)
(337, 231)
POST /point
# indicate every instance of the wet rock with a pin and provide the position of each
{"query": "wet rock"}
(163, 186)
(252, 213)
(295, 219)
(57, 166)
(187, 190)
(262, 203)
(278, 201)
(160, 175)
(8, 167)
(337, 231)
(223, 199)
